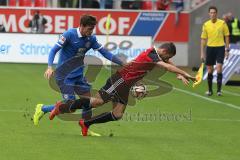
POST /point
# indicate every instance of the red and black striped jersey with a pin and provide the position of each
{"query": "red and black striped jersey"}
(137, 69)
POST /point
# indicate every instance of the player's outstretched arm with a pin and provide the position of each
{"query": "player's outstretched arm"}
(108, 55)
(179, 76)
(174, 69)
(183, 79)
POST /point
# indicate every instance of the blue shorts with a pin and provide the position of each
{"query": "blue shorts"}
(70, 87)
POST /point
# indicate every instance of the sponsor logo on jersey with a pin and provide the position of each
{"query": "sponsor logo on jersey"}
(87, 44)
(81, 51)
(61, 39)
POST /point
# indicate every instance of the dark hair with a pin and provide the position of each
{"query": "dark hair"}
(88, 20)
(212, 7)
(170, 47)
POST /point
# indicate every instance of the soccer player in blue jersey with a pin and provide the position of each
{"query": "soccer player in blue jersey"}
(73, 43)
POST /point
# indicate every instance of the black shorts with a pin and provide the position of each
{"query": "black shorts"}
(115, 90)
(215, 54)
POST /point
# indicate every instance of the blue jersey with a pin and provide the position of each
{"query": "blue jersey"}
(71, 44)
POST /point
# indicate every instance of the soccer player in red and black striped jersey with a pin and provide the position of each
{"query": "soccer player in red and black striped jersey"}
(118, 85)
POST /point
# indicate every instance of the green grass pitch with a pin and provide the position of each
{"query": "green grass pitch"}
(199, 127)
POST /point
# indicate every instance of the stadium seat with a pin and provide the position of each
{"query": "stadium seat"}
(12, 3)
(147, 5)
(40, 3)
(25, 3)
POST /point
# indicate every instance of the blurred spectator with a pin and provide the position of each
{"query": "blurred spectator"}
(131, 4)
(89, 4)
(179, 6)
(3, 2)
(234, 28)
(12, 3)
(225, 18)
(95, 4)
(163, 4)
(2, 28)
(66, 3)
(146, 5)
(40, 3)
(84, 4)
(37, 23)
(107, 4)
(25, 3)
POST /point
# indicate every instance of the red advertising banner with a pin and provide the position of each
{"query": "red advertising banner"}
(160, 25)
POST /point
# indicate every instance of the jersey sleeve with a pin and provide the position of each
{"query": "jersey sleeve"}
(95, 44)
(63, 39)
(108, 55)
(225, 30)
(52, 54)
(204, 32)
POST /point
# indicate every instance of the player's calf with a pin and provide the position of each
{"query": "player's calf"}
(102, 118)
(71, 106)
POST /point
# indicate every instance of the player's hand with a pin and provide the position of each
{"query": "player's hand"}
(188, 76)
(226, 54)
(48, 73)
(184, 80)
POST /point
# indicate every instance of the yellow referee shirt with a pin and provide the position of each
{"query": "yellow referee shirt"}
(215, 32)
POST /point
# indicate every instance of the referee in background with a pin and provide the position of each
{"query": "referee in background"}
(214, 31)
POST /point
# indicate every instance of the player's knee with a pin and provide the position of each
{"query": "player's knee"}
(219, 69)
(210, 71)
(118, 115)
(96, 102)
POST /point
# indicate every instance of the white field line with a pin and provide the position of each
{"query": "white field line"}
(231, 93)
(208, 99)
(200, 96)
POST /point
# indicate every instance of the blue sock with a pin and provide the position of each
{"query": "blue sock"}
(47, 108)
